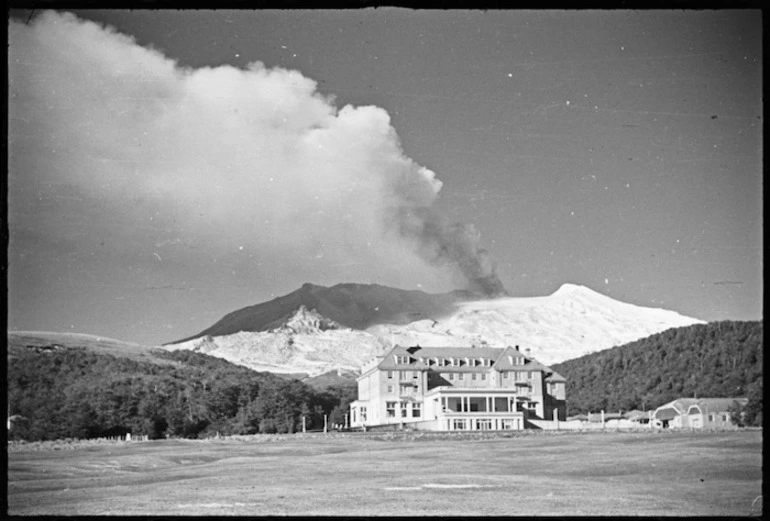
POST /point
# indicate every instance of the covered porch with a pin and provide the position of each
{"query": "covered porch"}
(475, 409)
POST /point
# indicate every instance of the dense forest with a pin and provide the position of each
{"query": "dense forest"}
(715, 360)
(77, 393)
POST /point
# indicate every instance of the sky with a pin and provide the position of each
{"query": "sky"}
(169, 167)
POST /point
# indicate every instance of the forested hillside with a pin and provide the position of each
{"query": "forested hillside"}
(719, 359)
(75, 392)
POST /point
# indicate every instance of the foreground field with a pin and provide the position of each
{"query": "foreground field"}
(606, 473)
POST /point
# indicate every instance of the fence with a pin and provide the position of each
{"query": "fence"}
(578, 425)
(126, 437)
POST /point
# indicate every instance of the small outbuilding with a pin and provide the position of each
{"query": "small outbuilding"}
(696, 413)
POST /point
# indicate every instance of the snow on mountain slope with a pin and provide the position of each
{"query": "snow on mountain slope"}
(571, 322)
(306, 343)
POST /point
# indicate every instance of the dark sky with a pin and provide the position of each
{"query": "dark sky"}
(159, 180)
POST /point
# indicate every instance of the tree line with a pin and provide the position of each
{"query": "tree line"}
(77, 393)
(714, 360)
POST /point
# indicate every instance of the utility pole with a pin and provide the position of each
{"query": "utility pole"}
(325, 424)
(346, 420)
(303, 424)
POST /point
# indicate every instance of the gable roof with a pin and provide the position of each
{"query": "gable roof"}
(416, 353)
(500, 357)
(503, 362)
(554, 377)
(706, 405)
(716, 405)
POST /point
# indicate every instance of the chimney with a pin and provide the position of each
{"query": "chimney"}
(517, 347)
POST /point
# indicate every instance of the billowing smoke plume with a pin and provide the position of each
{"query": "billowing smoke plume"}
(455, 244)
(114, 145)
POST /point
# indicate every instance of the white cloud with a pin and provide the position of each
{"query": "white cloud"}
(222, 157)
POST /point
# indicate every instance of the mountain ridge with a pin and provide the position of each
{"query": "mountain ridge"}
(719, 359)
(570, 322)
(352, 305)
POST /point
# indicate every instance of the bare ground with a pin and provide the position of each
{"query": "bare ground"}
(604, 473)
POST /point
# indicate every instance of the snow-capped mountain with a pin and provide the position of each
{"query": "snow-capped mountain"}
(306, 343)
(569, 323)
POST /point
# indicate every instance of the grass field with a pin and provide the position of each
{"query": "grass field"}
(604, 473)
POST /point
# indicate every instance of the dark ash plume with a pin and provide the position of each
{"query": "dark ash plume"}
(444, 243)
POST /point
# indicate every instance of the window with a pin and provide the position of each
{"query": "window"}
(402, 375)
(390, 374)
(459, 424)
(451, 376)
(390, 388)
(390, 409)
(712, 417)
(460, 376)
(405, 389)
(483, 376)
(363, 414)
(724, 417)
(404, 409)
(416, 410)
(473, 376)
(484, 425)
(415, 374)
(505, 375)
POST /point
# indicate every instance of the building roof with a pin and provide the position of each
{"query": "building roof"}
(679, 406)
(636, 414)
(555, 377)
(500, 359)
(716, 405)
(666, 413)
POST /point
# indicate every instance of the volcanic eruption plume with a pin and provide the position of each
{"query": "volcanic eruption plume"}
(251, 167)
(455, 244)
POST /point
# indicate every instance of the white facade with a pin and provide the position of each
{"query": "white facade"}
(457, 389)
